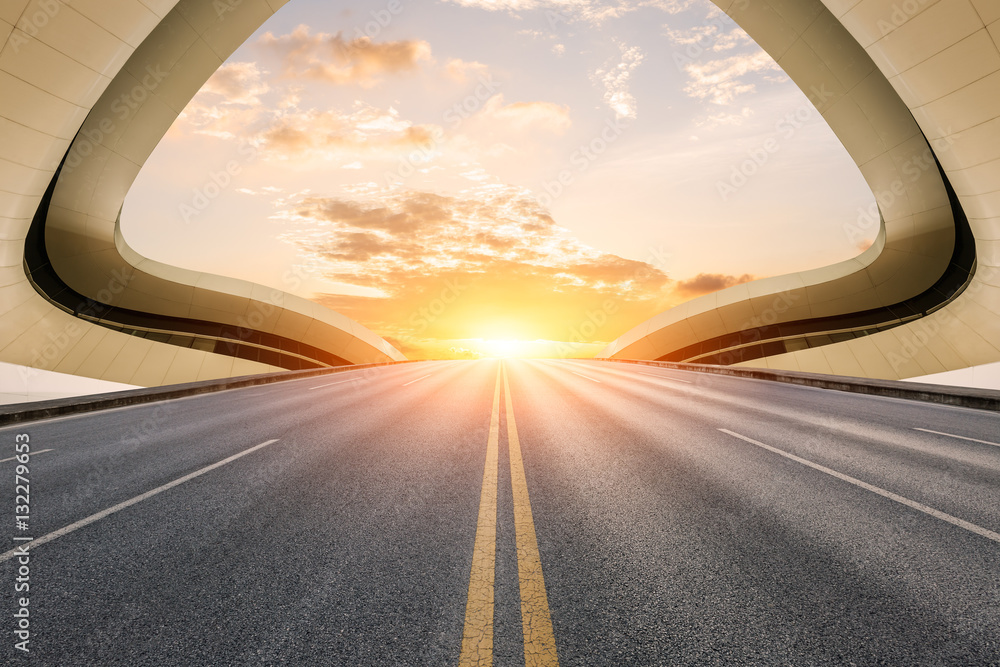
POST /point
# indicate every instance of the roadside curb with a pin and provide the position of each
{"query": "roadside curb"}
(978, 399)
(18, 413)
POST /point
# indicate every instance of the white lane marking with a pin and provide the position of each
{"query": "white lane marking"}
(584, 376)
(128, 503)
(664, 377)
(920, 507)
(960, 437)
(331, 384)
(40, 451)
(418, 379)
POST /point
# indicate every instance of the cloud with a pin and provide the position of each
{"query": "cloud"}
(366, 137)
(287, 132)
(503, 265)
(331, 134)
(721, 81)
(517, 6)
(332, 58)
(522, 116)
(678, 6)
(592, 11)
(487, 264)
(715, 37)
(461, 71)
(707, 283)
(615, 80)
(236, 83)
(724, 118)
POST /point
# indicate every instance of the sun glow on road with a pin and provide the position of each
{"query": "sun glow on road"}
(509, 349)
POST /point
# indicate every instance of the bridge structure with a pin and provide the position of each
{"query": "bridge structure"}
(90, 90)
(910, 88)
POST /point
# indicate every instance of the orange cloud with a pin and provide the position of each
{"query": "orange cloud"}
(461, 71)
(236, 83)
(332, 134)
(706, 283)
(332, 58)
(490, 263)
(521, 116)
(591, 11)
(287, 132)
(722, 80)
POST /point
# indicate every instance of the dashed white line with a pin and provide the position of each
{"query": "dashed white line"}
(40, 451)
(418, 379)
(330, 384)
(920, 507)
(132, 501)
(664, 377)
(960, 437)
(585, 376)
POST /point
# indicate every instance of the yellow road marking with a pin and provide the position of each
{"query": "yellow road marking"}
(477, 638)
(539, 641)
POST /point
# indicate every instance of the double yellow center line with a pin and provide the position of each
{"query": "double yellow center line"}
(477, 638)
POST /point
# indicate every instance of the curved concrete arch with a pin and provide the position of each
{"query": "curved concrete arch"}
(90, 89)
(914, 94)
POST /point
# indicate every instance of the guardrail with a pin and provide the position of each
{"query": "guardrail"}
(17, 413)
(979, 399)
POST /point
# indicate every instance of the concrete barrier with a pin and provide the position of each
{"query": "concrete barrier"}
(978, 399)
(17, 413)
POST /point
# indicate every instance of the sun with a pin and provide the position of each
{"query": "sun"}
(508, 349)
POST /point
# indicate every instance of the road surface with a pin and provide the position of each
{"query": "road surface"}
(528, 512)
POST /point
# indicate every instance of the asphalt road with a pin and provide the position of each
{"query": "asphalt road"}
(660, 517)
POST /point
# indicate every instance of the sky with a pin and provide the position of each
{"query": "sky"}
(476, 178)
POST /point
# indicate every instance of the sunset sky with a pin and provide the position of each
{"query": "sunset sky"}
(476, 172)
